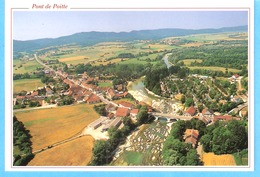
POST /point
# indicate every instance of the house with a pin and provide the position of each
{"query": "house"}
(110, 107)
(115, 123)
(222, 118)
(97, 123)
(49, 91)
(93, 99)
(111, 115)
(235, 76)
(122, 112)
(18, 97)
(134, 113)
(236, 99)
(191, 136)
(207, 113)
(191, 111)
(34, 93)
(111, 94)
(119, 87)
(126, 105)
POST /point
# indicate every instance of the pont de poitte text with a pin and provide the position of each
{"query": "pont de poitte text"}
(49, 6)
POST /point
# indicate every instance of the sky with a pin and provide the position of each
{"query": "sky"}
(28, 25)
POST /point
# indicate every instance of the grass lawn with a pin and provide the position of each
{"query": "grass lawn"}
(77, 152)
(48, 126)
(241, 158)
(27, 66)
(214, 68)
(26, 84)
(133, 158)
(105, 84)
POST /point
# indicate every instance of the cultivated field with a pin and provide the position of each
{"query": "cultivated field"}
(214, 68)
(210, 159)
(48, 126)
(21, 67)
(216, 37)
(74, 153)
(26, 84)
(188, 61)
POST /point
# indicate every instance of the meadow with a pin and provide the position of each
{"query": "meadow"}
(21, 67)
(48, 126)
(214, 68)
(26, 84)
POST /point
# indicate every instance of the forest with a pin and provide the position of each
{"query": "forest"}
(225, 137)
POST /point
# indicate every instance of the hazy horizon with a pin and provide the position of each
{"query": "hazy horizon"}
(30, 25)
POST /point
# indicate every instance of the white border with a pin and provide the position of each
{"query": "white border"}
(134, 5)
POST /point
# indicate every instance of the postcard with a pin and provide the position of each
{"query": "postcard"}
(163, 87)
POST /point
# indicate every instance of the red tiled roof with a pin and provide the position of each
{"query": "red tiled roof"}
(111, 92)
(122, 112)
(134, 111)
(192, 132)
(191, 110)
(35, 93)
(126, 104)
(224, 117)
(109, 106)
(207, 111)
(93, 99)
(191, 140)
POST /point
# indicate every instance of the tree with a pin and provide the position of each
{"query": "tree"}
(206, 141)
(189, 102)
(142, 116)
(127, 121)
(183, 99)
(182, 73)
(101, 152)
(192, 158)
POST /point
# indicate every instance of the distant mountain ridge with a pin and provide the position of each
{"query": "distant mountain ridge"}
(91, 38)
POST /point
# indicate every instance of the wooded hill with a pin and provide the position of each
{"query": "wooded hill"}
(94, 37)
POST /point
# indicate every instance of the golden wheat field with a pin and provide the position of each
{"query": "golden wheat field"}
(48, 126)
(77, 152)
(210, 159)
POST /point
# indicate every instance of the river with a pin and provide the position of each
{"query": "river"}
(166, 61)
(140, 93)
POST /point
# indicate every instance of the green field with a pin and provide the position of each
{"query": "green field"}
(26, 84)
(129, 158)
(21, 67)
(105, 84)
(214, 37)
(241, 158)
(214, 68)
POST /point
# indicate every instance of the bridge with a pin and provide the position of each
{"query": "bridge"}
(169, 117)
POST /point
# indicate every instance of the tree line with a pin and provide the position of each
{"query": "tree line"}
(225, 137)
(21, 141)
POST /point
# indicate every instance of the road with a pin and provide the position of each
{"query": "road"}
(238, 108)
(99, 95)
(41, 107)
(171, 116)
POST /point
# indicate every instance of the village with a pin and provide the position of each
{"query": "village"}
(83, 89)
